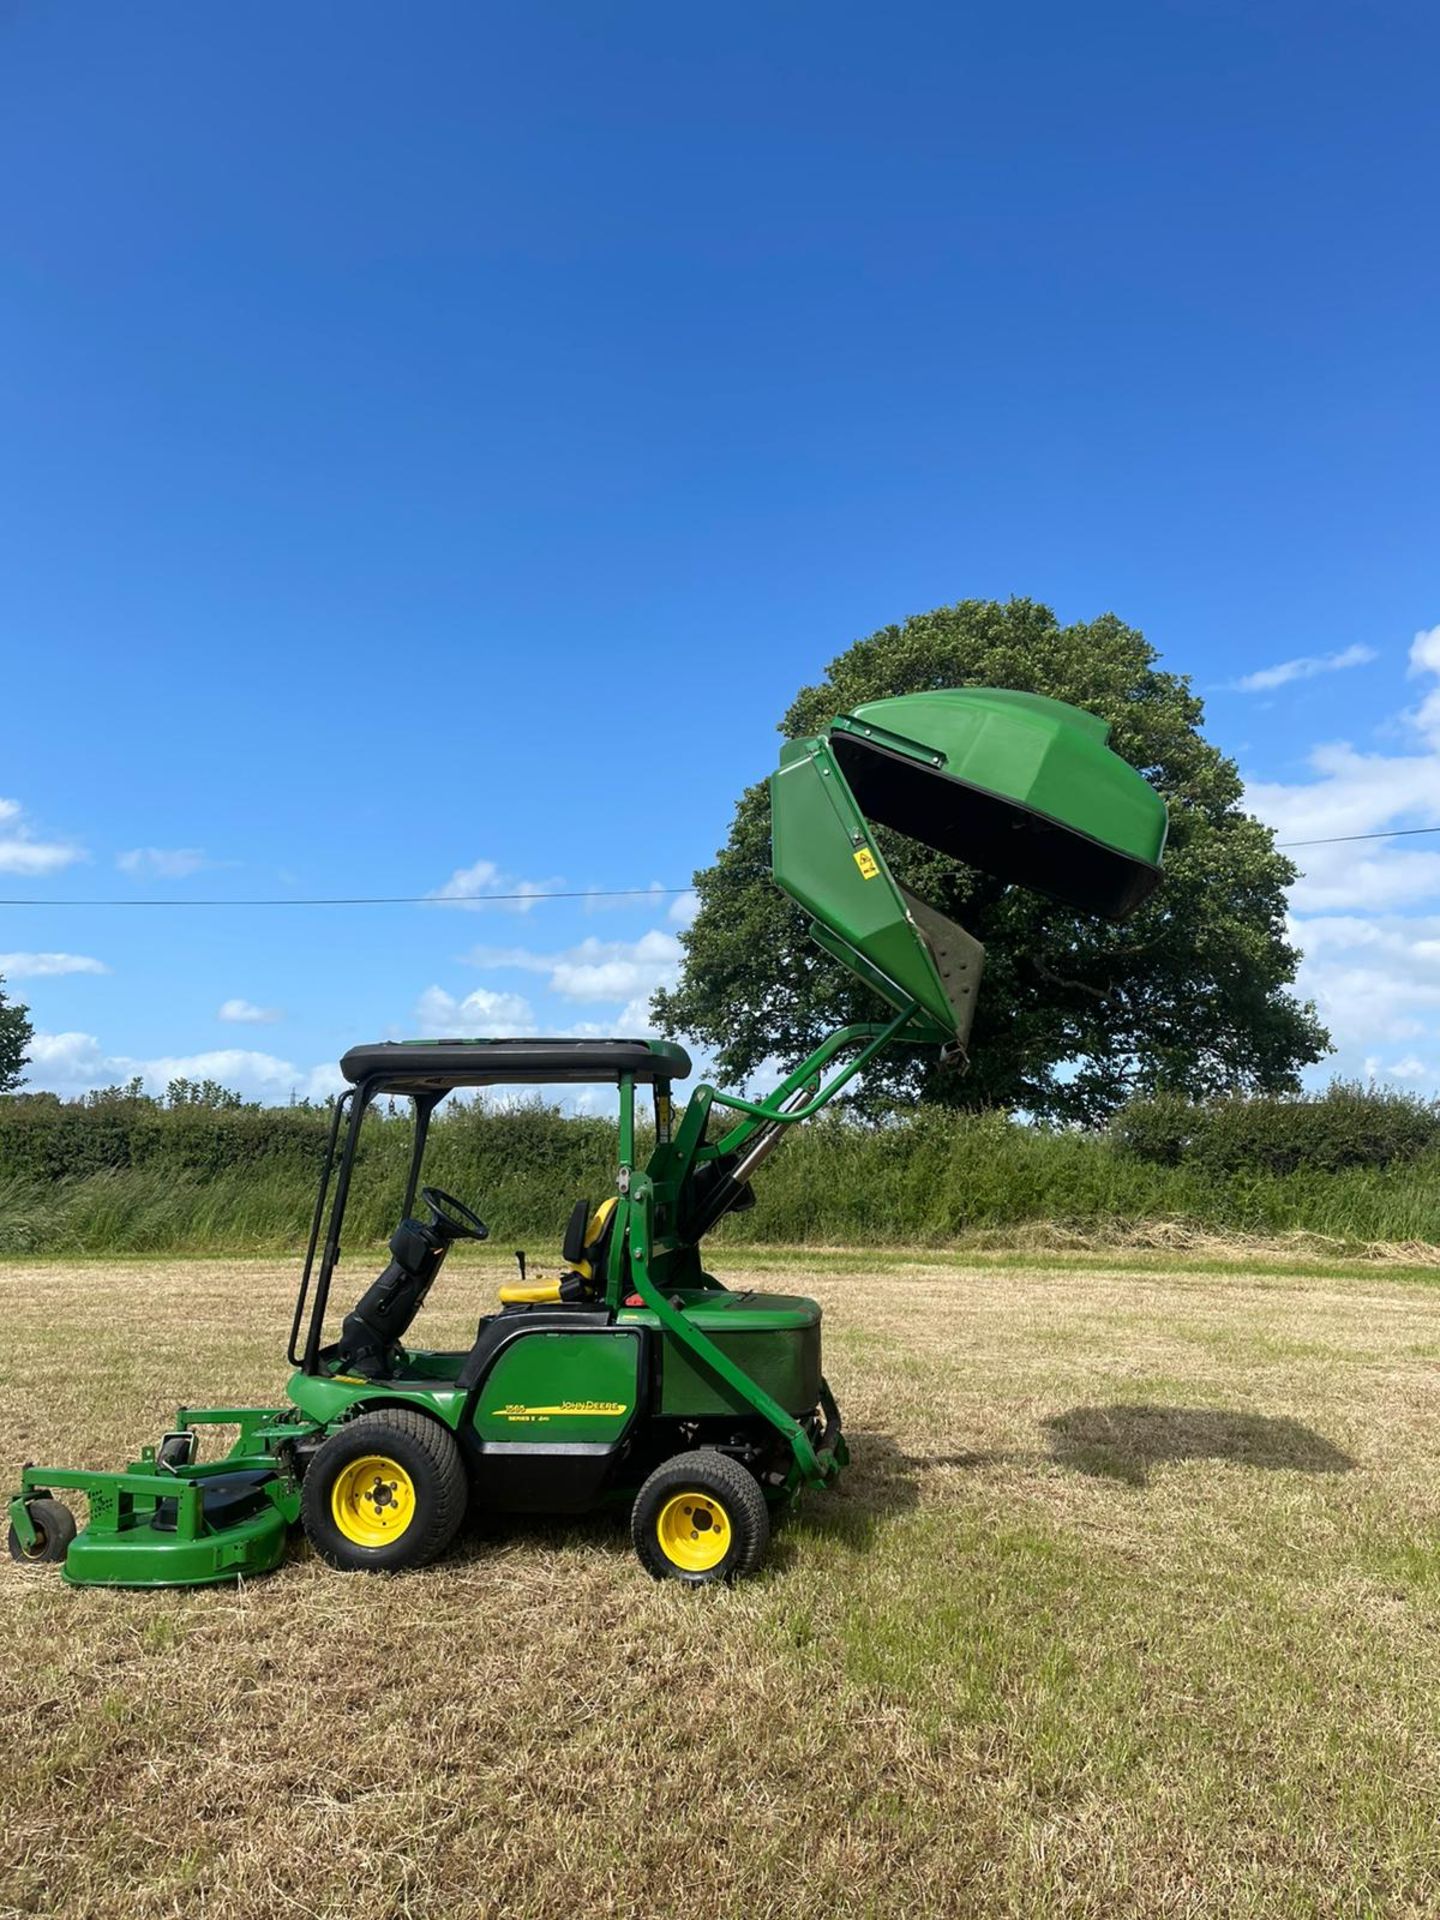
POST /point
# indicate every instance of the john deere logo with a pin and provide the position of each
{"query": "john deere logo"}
(564, 1410)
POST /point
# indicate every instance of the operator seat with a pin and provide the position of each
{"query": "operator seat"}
(585, 1251)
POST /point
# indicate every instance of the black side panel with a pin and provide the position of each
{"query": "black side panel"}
(559, 1478)
(501, 1328)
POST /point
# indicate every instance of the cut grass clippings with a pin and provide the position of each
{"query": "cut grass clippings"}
(1129, 1606)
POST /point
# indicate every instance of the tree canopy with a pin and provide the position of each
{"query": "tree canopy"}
(16, 1034)
(1075, 1016)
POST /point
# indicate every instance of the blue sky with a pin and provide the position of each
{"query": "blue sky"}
(439, 441)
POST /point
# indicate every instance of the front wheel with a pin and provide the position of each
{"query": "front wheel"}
(700, 1517)
(385, 1492)
(54, 1526)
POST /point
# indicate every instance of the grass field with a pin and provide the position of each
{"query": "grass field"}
(1129, 1606)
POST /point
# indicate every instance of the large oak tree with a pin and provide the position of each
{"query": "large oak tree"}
(1075, 1015)
(15, 1036)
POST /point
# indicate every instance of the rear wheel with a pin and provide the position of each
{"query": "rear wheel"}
(700, 1517)
(386, 1491)
(54, 1526)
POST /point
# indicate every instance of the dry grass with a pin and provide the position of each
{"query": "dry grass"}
(1130, 1606)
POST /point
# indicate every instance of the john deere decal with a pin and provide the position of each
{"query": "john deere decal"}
(604, 1409)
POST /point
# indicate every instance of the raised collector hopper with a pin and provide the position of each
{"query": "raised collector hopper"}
(1013, 784)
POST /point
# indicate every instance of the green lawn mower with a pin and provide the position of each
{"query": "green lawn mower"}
(634, 1377)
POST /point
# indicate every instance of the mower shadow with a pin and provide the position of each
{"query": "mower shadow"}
(879, 1482)
(605, 1530)
(1121, 1443)
(1124, 1442)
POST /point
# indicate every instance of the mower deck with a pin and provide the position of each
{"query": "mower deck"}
(187, 1525)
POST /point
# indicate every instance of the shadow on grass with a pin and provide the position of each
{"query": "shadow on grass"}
(1125, 1442)
(1121, 1443)
(879, 1482)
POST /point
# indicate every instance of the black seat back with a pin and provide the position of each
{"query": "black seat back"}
(572, 1247)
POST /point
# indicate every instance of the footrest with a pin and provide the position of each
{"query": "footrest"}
(226, 1498)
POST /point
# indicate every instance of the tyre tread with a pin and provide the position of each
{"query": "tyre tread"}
(447, 1510)
(56, 1522)
(707, 1468)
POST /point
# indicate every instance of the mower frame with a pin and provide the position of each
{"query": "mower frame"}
(1013, 784)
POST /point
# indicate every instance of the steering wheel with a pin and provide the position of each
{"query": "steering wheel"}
(458, 1220)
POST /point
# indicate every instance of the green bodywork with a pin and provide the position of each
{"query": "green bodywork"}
(827, 859)
(148, 1525)
(561, 1387)
(1014, 784)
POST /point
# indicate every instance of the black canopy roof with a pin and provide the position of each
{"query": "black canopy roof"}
(434, 1066)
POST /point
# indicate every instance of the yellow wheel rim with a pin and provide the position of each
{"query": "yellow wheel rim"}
(373, 1500)
(694, 1532)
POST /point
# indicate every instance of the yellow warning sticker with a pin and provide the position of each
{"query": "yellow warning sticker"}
(869, 866)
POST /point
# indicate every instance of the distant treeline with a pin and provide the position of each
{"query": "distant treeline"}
(120, 1172)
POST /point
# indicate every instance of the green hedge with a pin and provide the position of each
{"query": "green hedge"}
(1349, 1125)
(125, 1175)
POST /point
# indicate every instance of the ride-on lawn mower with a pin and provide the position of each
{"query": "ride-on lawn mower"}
(635, 1376)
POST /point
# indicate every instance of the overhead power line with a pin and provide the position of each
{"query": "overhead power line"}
(1338, 839)
(370, 900)
(499, 899)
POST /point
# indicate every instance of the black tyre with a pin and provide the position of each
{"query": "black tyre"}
(55, 1525)
(700, 1517)
(386, 1491)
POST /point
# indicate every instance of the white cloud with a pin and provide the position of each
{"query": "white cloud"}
(684, 908)
(1375, 980)
(246, 1013)
(521, 959)
(1367, 971)
(1353, 793)
(259, 1076)
(1408, 1069)
(65, 1062)
(165, 863)
(41, 966)
(1425, 651)
(1371, 950)
(633, 1021)
(1425, 658)
(468, 887)
(1306, 667)
(481, 1015)
(22, 852)
(73, 1063)
(595, 969)
(616, 969)
(1356, 793)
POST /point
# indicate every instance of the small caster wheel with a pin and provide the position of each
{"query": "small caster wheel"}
(54, 1526)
